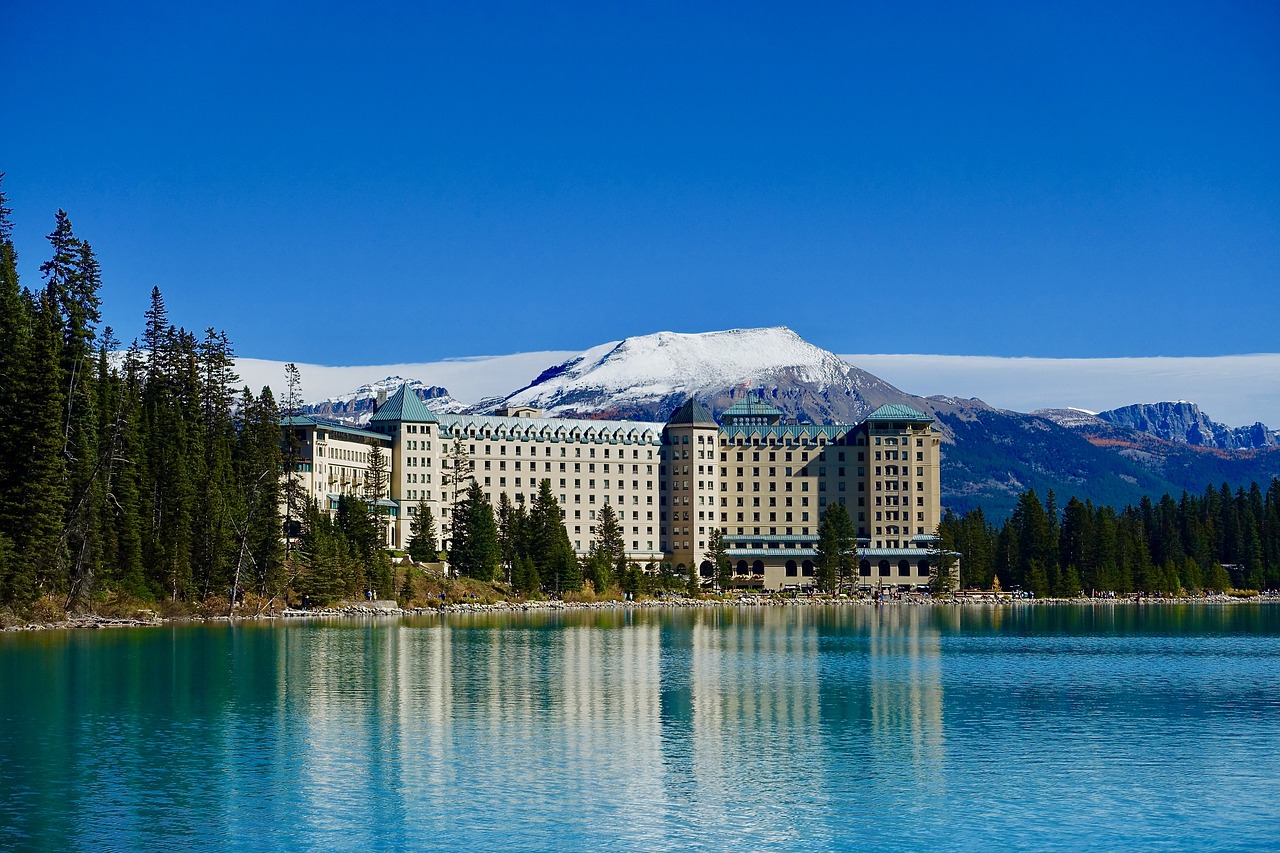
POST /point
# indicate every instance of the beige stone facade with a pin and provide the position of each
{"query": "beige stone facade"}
(764, 483)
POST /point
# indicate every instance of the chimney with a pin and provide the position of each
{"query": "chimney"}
(382, 397)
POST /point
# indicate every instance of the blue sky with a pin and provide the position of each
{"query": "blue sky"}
(345, 183)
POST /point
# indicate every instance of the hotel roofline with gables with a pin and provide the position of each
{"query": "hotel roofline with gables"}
(763, 482)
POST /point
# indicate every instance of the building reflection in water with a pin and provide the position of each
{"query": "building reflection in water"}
(741, 721)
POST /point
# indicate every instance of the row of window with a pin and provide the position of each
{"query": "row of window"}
(564, 451)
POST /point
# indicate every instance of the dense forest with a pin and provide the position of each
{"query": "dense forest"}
(144, 474)
(1218, 540)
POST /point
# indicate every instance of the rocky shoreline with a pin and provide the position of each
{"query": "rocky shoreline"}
(147, 618)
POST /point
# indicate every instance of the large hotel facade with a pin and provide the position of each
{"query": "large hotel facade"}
(763, 482)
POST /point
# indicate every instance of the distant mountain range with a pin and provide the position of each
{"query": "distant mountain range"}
(991, 455)
(356, 406)
(1184, 423)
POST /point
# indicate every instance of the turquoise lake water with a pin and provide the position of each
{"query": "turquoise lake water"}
(904, 728)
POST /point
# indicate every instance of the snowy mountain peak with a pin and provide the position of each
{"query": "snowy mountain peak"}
(647, 376)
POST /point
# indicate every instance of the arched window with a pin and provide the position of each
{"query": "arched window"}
(742, 567)
(706, 569)
(883, 568)
(792, 571)
(757, 568)
(904, 568)
(864, 568)
(807, 568)
(923, 566)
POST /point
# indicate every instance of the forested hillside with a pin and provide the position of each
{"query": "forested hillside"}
(149, 476)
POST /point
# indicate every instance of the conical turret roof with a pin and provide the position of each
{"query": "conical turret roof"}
(403, 405)
(693, 412)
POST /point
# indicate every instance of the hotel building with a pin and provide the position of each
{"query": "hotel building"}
(763, 482)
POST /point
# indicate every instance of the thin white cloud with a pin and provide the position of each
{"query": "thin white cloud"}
(1236, 390)
(468, 379)
(1233, 389)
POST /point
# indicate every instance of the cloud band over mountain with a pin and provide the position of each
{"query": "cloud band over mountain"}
(1235, 389)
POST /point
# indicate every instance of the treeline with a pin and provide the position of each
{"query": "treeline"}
(530, 548)
(1215, 541)
(145, 475)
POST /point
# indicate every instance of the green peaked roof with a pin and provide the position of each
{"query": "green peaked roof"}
(693, 412)
(898, 412)
(752, 405)
(403, 405)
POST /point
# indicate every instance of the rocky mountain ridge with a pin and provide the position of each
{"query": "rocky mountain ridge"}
(1183, 423)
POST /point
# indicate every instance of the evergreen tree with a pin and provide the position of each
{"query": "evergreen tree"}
(508, 534)
(291, 454)
(217, 497)
(422, 534)
(524, 575)
(456, 476)
(827, 554)
(123, 516)
(942, 564)
(476, 552)
(835, 547)
(718, 557)
(553, 556)
(16, 325)
(606, 549)
(258, 462)
(38, 516)
(406, 588)
(375, 487)
(1070, 582)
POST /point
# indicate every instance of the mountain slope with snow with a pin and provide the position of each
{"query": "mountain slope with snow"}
(648, 376)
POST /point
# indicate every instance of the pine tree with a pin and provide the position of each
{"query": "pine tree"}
(375, 485)
(37, 521)
(422, 534)
(457, 474)
(606, 548)
(718, 556)
(835, 553)
(942, 564)
(291, 457)
(549, 546)
(213, 538)
(123, 516)
(258, 462)
(1070, 582)
(479, 554)
(524, 575)
(16, 325)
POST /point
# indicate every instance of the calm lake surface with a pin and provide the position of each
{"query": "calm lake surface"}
(804, 728)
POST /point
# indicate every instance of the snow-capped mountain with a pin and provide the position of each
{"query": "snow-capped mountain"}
(649, 376)
(356, 406)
